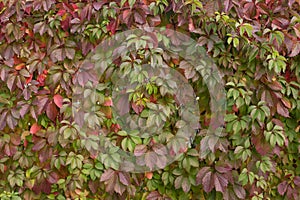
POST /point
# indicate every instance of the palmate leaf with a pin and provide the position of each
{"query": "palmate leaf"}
(218, 180)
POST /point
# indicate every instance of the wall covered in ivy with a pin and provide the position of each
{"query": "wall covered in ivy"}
(44, 154)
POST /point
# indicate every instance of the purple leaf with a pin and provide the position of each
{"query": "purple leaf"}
(52, 111)
(11, 82)
(124, 178)
(220, 182)
(239, 191)
(140, 150)
(201, 174)
(108, 174)
(98, 5)
(39, 145)
(52, 178)
(70, 53)
(150, 159)
(282, 187)
(283, 111)
(154, 195)
(295, 49)
(207, 182)
(186, 185)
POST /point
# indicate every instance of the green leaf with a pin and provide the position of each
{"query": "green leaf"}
(236, 42)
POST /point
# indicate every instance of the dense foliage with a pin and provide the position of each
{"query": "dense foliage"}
(255, 44)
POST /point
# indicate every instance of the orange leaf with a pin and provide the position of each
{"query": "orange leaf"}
(149, 175)
(108, 102)
(20, 66)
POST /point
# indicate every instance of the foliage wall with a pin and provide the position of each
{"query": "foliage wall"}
(255, 45)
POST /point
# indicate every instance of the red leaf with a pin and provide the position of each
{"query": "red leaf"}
(35, 128)
(51, 111)
(126, 17)
(58, 100)
(112, 26)
(61, 12)
(115, 128)
(41, 79)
